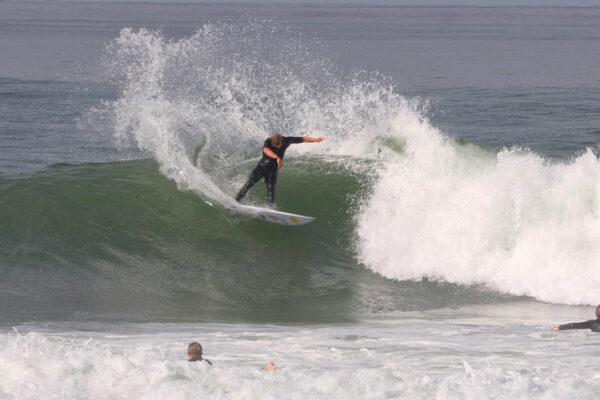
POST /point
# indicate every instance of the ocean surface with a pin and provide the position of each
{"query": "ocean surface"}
(457, 196)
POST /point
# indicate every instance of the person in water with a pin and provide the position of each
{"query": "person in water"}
(273, 150)
(593, 324)
(195, 353)
(270, 366)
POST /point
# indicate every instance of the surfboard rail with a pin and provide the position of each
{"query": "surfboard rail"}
(275, 216)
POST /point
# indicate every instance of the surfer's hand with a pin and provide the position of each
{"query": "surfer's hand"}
(555, 328)
(319, 139)
(279, 163)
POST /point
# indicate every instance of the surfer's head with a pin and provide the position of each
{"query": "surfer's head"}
(598, 312)
(276, 140)
(194, 352)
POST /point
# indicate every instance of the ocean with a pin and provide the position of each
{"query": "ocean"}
(457, 197)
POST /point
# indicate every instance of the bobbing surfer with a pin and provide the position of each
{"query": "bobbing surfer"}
(593, 324)
(195, 353)
(273, 150)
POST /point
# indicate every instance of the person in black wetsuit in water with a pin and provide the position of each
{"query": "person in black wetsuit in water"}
(273, 150)
(195, 353)
(593, 324)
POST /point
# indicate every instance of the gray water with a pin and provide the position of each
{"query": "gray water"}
(499, 77)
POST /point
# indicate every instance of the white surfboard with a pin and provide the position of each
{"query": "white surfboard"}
(278, 217)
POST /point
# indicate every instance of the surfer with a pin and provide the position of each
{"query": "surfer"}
(195, 353)
(593, 324)
(273, 150)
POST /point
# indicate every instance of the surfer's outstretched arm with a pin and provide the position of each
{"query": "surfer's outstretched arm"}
(593, 324)
(575, 325)
(308, 139)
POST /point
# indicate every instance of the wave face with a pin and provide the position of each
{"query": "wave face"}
(391, 192)
(457, 213)
(119, 241)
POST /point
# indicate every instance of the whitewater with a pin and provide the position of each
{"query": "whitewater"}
(322, 362)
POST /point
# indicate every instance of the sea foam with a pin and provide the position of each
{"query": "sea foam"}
(403, 359)
(512, 220)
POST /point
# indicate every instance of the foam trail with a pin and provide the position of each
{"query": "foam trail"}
(146, 115)
(202, 105)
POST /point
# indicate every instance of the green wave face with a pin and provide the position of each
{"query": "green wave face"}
(394, 197)
(103, 237)
(119, 241)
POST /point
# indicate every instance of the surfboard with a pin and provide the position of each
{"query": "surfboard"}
(277, 217)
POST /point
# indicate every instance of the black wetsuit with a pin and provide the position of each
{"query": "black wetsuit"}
(267, 168)
(201, 359)
(593, 324)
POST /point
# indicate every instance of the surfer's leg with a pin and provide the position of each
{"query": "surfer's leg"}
(270, 180)
(254, 177)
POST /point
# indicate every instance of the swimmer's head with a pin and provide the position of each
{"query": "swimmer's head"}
(194, 351)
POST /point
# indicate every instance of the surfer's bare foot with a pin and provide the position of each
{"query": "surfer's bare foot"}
(270, 366)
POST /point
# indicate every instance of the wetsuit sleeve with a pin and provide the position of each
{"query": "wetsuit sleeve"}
(268, 144)
(576, 325)
(295, 139)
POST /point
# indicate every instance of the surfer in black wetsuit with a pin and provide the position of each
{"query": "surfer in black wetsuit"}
(273, 150)
(593, 324)
(195, 353)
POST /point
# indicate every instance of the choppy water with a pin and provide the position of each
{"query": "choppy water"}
(490, 352)
(456, 196)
